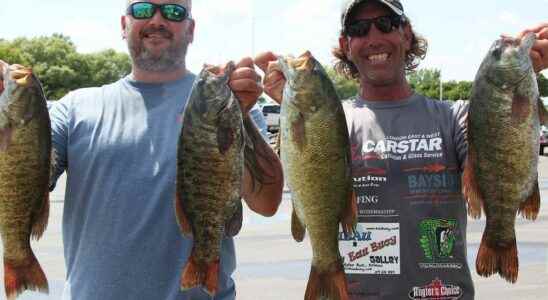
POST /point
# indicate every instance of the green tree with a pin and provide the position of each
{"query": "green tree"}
(346, 88)
(60, 67)
(426, 82)
(542, 85)
(453, 90)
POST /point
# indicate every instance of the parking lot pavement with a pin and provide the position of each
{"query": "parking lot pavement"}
(273, 266)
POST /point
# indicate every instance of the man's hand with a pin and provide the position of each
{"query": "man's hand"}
(539, 53)
(245, 83)
(274, 79)
(3, 66)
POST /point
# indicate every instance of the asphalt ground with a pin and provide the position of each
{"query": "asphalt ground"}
(271, 265)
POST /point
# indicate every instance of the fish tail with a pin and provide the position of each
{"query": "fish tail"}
(196, 274)
(330, 284)
(531, 206)
(499, 258)
(27, 276)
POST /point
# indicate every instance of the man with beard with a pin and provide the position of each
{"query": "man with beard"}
(118, 145)
(420, 195)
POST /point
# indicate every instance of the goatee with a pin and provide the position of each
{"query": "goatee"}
(169, 59)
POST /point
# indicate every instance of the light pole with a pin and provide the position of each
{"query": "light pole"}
(441, 88)
(252, 28)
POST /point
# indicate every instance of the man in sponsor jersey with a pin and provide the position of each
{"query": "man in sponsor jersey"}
(118, 145)
(407, 157)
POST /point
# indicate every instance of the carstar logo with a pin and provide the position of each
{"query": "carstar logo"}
(436, 290)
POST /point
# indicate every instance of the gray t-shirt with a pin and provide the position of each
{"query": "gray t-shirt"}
(121, 239)
(407, 159)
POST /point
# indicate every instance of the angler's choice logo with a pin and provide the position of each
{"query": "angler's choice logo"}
(436, 290)
(437, 240)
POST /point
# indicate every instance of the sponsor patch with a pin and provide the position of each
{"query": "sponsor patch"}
(434, 183)
(436, 290)
(437, 239)
(401, 148)
(374, 249)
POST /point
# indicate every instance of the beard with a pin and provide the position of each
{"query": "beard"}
(168, 59)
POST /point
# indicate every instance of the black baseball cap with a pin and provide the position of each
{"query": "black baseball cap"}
(349, 5)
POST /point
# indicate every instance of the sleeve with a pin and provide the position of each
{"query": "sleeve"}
(258, 118)
(460, 118)
(59, 116)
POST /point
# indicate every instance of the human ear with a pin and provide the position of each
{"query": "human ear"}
(343, 45)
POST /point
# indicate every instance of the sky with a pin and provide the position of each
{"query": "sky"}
(459, 32)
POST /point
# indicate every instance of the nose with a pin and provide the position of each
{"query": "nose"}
(374, 32)
(157, 19)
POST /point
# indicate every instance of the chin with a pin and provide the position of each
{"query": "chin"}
(380, 79)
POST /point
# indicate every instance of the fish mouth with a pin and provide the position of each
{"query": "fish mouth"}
(21, 75)
(303, 62)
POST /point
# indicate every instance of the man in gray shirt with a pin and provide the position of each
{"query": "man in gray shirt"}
(118, 145)
(407, 158)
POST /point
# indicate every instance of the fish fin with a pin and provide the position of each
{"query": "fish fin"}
(5, 138)
(40, 220)
(53, 164)
(502, 259)
(350, 214)
(278, 144)
(469, 186)
(542, 113)
(328, 285)
(298, 131)
(530, 208)
(298, 230)
(234, 224)
(212, 278)
(184, 225)
(18, 278)
(195, 274)
(257, 149)
(520, 108)
(225, 138)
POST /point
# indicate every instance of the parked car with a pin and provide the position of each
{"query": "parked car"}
(271, 113)
(543, 139)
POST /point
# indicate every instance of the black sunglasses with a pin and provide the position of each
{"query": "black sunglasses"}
(146, 10)
(385, 24)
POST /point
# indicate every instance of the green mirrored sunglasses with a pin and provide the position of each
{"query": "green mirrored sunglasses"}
(146, 10)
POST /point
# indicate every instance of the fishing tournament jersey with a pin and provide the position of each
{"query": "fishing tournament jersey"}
(120, 235)
(407, 158)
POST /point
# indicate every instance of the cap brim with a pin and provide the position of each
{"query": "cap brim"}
(355, 3)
